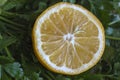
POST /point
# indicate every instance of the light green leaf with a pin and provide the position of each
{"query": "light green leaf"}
(35, 76)
(67, 79)
(14, 70)
(109, 31)
(65, 0)
(71, 1)
(114, 22)
(25, 78)
(17, 4)
(2, 2)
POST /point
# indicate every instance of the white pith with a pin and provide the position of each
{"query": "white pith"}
(46, 57)
(69, 37)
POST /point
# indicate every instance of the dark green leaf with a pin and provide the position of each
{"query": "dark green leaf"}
(93, 77)
(42, 5)
(25, 13)
(102, 10)
(6, 42)
(2, 28)
(116, 4)
(29, 70)
(5, 77)
(25, 78)
(60, 77)
(0, 36)
(108, 54)
(117, 68)
(0, 72)
(80, 79)
(5, 60)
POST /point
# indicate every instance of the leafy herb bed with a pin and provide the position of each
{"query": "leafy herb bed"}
(17, 60)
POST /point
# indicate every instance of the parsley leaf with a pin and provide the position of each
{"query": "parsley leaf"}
(17, 59)
(14, 70)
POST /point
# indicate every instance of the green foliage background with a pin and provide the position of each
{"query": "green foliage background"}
(17, 60)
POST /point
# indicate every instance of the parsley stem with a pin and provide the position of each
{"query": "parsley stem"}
(113, 38)
(48, 78)
(0, 71)
(82, 1)
(92, 6)
(6, 13)
(114, 22)
(8, 53)
(51, 75)
(0, 36)
(110, 76)
(10, 22)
